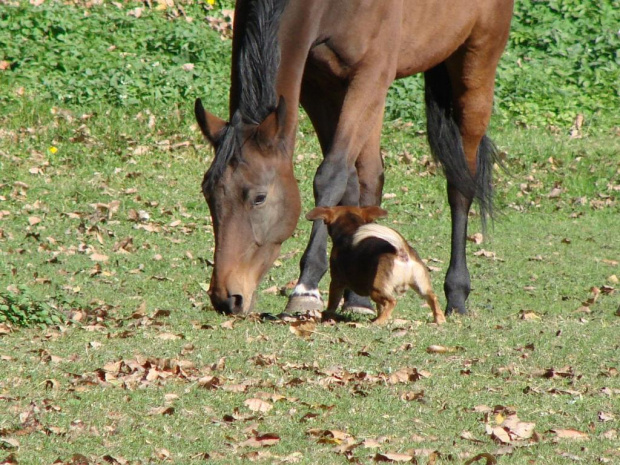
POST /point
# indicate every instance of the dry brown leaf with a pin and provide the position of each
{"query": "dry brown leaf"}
(405, 375)
(162, 454)
(487, 254)
(410, 396)
(169, 336)
(490, 459)
(528, 315)
(9, 443)
(518, 429)
(468, 436)
(303, 329)
(476, 238)
(161, 411)
(436, 349)
(569, 434)
(371, 444)
(331, 436)
(261, 440)
(97, 257)
(606, 416)
(228, 324)
(394, 457)
(499, 434)
(258, 405)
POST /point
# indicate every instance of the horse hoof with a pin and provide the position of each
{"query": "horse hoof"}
(359, 310)
(304, 304)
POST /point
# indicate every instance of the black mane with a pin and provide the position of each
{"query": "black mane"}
(259, 59)
(257, 69)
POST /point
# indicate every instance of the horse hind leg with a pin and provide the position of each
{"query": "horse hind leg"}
(459, 96)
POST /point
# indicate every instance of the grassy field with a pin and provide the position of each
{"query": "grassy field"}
(102, 223)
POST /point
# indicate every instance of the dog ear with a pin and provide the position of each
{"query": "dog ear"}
(320, 213)
(372, 213)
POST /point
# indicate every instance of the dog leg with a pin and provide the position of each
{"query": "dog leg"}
(421, 284)
(336, 291)
(438, 315)
(385, 306)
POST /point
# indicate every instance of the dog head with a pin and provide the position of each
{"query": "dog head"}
(345, 220)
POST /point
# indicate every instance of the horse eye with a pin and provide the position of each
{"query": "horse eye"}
(260, 199)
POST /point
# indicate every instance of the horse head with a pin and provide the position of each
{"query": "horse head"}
(254, 202)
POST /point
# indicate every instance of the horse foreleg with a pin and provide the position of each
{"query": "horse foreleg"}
(341, 123)
(330, 186)
(369, 168)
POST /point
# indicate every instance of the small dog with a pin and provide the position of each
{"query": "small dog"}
(372, 260)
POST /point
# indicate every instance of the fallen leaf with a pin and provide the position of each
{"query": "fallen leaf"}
(162, 454)
(161, 411)
(261, 440)
(228, 324)
(468, 436)
(258, 405)
(528, 315)
(500, 434)
(487, 254)
(411, 396)
(303, 329)
(490, 459)
(476, 238)
(569, 434)
(394, 457)
(9, 443)
(436, 349)
(606, 416)
(169, 336)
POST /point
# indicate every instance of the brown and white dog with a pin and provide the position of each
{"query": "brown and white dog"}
(372, 260)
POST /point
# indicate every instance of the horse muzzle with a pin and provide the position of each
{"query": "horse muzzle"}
(232, 304)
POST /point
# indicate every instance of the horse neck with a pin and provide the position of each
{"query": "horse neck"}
(296, 34)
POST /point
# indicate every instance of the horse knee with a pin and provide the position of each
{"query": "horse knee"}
(330, 182)
(371, 187)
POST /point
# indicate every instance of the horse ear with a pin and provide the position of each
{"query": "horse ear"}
(210, 125)
(273, 125)
(372, 213)
(320, 213)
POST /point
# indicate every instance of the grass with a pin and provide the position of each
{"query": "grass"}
(102, 219)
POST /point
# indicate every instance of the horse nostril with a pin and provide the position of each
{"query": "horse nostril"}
(237, 302)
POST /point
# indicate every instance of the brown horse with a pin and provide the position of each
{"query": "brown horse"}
(338, 58)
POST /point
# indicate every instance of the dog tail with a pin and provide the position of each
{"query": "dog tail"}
(447, 145)
(384, 233)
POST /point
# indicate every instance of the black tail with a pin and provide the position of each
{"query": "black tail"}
(446, 144)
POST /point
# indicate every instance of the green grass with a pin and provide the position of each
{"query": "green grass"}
(78, 181)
